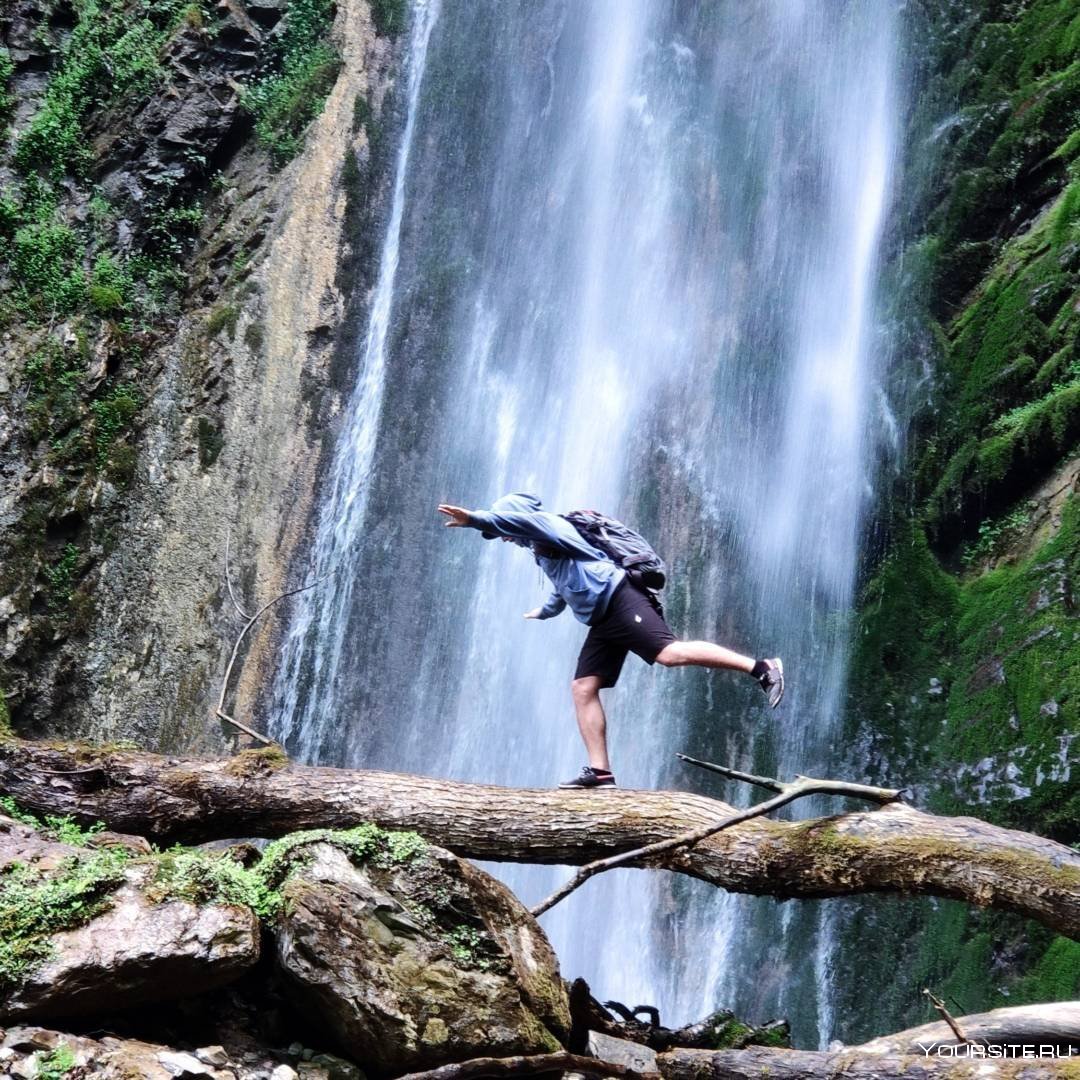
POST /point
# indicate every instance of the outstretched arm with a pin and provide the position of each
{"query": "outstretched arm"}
(549, 529)
(458, 515)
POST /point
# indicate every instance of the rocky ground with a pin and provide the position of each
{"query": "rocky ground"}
(325, 953)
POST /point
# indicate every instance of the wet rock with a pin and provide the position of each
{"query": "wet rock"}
(416, 961)
(133, 952)
(24, 1049)
(182, 1065)
(632, 1055)
(212, 1055)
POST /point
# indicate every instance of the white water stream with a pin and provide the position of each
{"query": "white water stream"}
(629, 264)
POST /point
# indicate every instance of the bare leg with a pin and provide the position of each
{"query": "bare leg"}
(592, 723)
(703, 654)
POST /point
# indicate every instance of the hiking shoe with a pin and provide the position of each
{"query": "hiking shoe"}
(590, 778)
(771, 680)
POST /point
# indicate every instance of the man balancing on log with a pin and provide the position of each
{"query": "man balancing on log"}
(607, 574)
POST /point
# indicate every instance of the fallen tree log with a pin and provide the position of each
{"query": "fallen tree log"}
(893, 848)
(761, 1062)
(1052, 1024)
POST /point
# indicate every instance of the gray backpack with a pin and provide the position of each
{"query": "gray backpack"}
(624, 546)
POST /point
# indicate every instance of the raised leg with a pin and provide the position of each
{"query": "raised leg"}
(704, 654)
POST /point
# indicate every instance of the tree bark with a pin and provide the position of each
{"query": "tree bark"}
(1054, 1023)
(894, 848)
(761, 1062)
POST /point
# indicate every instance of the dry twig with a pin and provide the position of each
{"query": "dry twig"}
(799, 788)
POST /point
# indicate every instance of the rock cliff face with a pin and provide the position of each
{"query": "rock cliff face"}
(176, 298)
(966, 673)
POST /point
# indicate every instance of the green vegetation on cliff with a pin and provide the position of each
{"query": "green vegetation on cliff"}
(968, 645)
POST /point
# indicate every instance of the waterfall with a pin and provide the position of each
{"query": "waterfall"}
(629, 265)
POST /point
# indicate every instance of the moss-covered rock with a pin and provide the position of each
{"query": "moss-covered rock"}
(413, 957)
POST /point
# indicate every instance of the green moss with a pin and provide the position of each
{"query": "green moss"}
(112, 415)
(255, 335)
(61, 576)
(257, 762)
(203, 877)
(111, 288)
(7, 69)
(223, 317)
(389, 16)
(36, 903)
(361, 843)
(1056, 976)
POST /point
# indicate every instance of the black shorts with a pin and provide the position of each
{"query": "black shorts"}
(631, 624)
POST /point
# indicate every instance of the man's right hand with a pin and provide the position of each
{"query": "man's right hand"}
(534, 614)
(458, 515)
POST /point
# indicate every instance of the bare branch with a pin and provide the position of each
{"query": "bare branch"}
(947, 1016)
(228, 576)
(800, 788)
(220, 710)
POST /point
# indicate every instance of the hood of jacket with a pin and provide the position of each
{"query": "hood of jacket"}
(520, 502)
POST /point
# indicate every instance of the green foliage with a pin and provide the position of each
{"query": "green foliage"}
(1056, 976)
(36, 903)
(47, 262)
(61, 576)
(993, 535)
(64, 830)
(112, 414)
(7, 69)
(202, 877)
(110, 287)
(111, 52)
(56, 1064)
(472, 947)
(211, 441)
(297, 79)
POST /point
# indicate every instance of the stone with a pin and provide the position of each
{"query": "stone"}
(284, 1072)
(632, 1055)
(212, 1055)
(135, 952)
(182, 1065)
(459, 970)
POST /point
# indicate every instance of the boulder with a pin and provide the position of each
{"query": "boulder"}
(113, 947)
(414, 960)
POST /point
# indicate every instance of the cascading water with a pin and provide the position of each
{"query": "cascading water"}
(629, 265)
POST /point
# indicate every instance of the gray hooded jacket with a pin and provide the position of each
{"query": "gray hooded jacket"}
(583, 576)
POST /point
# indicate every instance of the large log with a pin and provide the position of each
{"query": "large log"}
(767, 1063)
(1053, 1023)
(894, 848)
